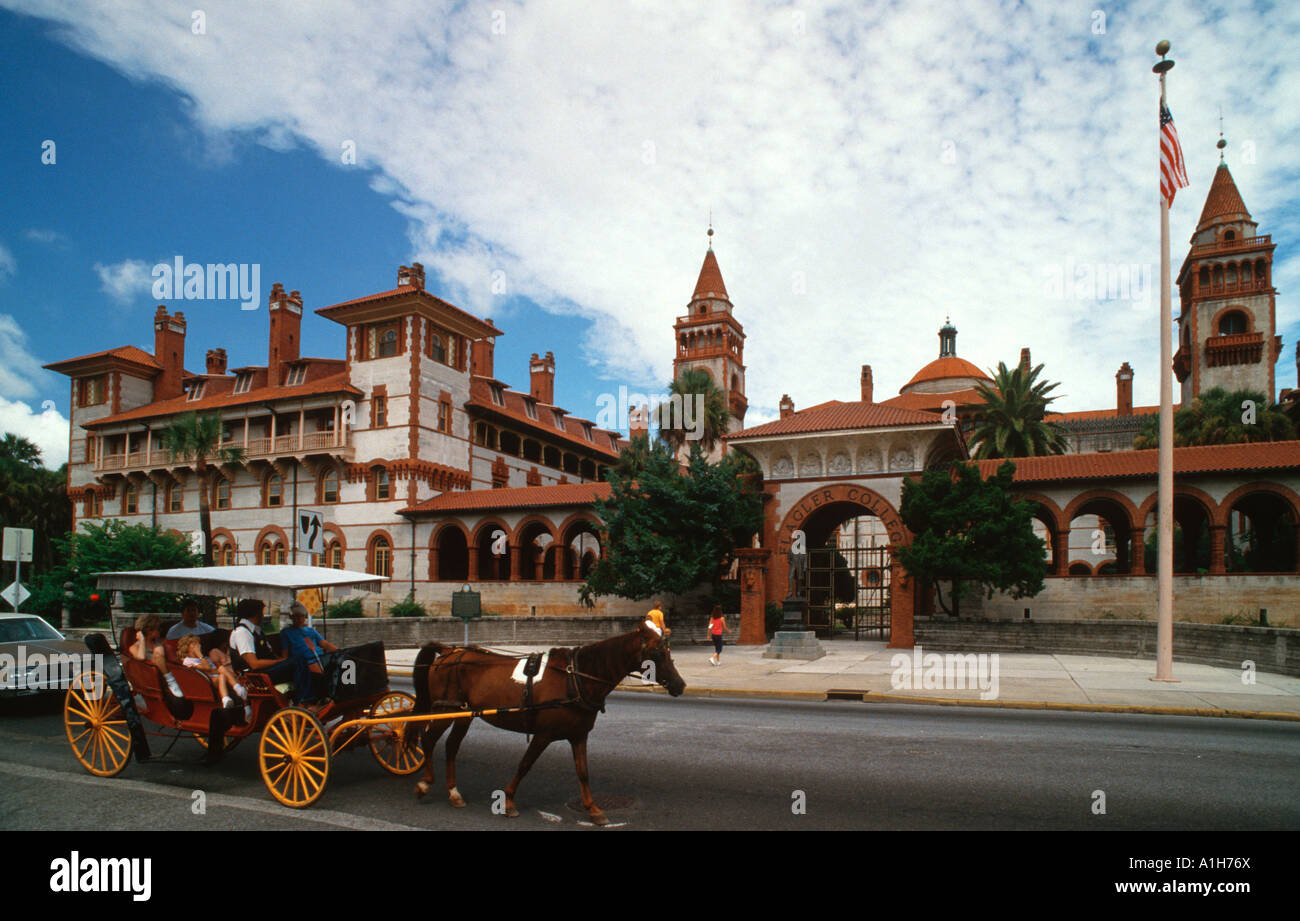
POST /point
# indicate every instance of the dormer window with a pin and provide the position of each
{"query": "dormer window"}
(530, 407)
(295, 376)
(586, 431)
(559, 419)
(498, 395)
(244, 382)
(195, 391)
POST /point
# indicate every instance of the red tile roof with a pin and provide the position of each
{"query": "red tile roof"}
(944, 368)
(476, 500)
(934, 401)
(1086, 414)
(125, 353)
(337, 383)
(1271, 455)
(544, 425)
(1224, 201)
(710, 281)
(836, 415)
(332, 312)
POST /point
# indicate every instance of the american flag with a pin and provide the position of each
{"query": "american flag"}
(1173, 174)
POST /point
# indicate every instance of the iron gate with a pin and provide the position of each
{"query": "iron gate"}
(848, 588)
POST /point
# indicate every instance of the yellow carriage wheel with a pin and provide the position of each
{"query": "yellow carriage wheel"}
(294, 757)
(396, 746)
(96, 725)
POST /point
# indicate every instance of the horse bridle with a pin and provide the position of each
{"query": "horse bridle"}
(575, 674)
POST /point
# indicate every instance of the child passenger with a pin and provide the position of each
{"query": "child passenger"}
(191, 656)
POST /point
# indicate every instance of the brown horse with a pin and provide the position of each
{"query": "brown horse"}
(567, 694)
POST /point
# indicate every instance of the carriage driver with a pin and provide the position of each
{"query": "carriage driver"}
(656, 617)
(250, 646)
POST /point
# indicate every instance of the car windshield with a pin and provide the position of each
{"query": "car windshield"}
(18, 629)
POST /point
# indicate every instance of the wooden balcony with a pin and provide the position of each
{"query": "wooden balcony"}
(1234, 349)
(297, 444)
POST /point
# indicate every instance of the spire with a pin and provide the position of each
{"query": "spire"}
(710, 283)
(1224, 202)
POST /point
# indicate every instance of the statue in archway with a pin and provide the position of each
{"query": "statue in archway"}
(797, 575)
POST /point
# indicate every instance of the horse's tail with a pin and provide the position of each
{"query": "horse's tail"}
(420, 674)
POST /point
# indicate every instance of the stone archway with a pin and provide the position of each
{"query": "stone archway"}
(824, 508)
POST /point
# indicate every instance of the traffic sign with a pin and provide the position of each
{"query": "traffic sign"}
(15, 594)
(17, 545)
(311, 531)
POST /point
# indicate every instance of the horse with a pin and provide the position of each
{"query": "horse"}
(567, 695)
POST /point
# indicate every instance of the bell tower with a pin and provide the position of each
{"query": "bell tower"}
(1227, 325)
(710, 337)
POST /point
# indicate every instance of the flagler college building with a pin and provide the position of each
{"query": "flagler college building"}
(429, 469)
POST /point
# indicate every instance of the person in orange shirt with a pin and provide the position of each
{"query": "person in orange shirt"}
(717, 627)
(656, 617)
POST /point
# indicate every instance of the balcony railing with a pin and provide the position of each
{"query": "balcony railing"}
(1234, 349)
(1231, 245)
(333, 442)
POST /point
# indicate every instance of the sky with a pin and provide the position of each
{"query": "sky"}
(869, 168)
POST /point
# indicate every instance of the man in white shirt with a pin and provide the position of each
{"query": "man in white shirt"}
(190, 623)
(250, 646)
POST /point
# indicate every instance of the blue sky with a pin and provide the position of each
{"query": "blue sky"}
(871, 168)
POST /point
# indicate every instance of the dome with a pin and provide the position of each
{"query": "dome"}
(944, 375)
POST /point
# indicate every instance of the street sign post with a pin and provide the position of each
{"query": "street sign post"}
(17, 547)
(311, 531)
(15, 594)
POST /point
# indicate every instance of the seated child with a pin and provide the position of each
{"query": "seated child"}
(304, 645)
(191, 656)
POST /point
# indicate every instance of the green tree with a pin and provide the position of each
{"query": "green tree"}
(971, 532)
(108, 546)
(197, 438)
(703, 404)
(667, 529)
(1217, 417)
(1011, 424)
(32, 496)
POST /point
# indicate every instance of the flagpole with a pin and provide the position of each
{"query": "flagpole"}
(1165, 483)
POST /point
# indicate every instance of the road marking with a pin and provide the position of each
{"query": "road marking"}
(322, 816)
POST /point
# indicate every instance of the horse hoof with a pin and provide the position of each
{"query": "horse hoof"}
(456, 799)
(598, 817)
(421, 788)
(512, 812)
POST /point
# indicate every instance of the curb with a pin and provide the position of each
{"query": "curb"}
(872, 697)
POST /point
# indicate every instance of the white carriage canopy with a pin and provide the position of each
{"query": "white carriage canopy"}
(268, 583)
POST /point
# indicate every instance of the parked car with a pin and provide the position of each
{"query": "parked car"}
(34, 657)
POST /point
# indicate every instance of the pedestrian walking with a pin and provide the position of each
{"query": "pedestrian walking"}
(717, 627)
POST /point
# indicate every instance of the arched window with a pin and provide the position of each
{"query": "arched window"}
(174, 496)
(131, 501)
(274, 491)
(332, 558)
(222, 493)
(1232, 322)
(382, 486)
(329, 486)
(381, 557)
(1229, 236)
(272, 552)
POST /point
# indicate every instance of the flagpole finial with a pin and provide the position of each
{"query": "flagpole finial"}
(1164, 64)
(1222, 143)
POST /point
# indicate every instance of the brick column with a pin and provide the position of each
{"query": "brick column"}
(473, 563)
(752, 573)
(433, 565)
(1216, 548)
(516, 560)
(1137, 547)
(561, 561)
(901, 605)
(1061, 551)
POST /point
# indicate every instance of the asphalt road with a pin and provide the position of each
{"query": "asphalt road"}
(696, 763)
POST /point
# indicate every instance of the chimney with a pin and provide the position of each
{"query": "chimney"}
(169, 351)
(787, 405)
(543, 378)
(1124, 390)
(216, 361)
(480, 355)
(638, 421)
(411, 275)
(286, 323)
(866, 384)
(1025, 364)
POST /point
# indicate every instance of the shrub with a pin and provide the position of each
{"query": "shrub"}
(349, 607)
(408, 607)
(772, 617)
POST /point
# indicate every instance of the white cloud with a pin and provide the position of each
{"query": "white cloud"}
(18, 367)
(48, 430)
(126, 280)
(8, 265)
(907, 160)
(46, 236)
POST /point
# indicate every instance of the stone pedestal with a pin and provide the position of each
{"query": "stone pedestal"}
(794, 644)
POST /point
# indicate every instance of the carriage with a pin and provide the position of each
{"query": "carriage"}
(109, 704)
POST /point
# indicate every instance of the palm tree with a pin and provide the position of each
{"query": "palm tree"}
(1218, 417)
(1012, 424)
(198, 438)
(710, 425)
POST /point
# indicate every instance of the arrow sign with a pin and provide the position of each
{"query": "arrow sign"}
(311, 531)
(15, 594)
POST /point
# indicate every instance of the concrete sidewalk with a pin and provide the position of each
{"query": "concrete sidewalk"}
(863, 670)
